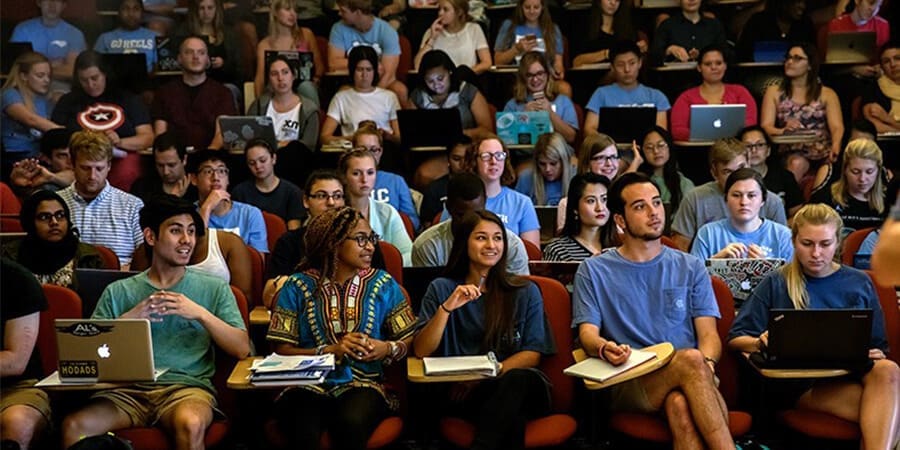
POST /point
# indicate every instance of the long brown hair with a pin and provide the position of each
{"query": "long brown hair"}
(499, 285)
(274, 6)
(813, 83)
(545, 22)
(22, 66)
(195, 26)
(520, 92)
(509, 174)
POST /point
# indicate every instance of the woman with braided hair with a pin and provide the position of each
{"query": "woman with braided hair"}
(337, 303)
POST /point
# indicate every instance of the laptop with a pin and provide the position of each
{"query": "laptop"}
(11, 51)
(742, 275)
(711, 122)
(429, 128)
(522, 127)
(93, 350)
(862, 262)
(626, 123)
(128, 70)
(167, 49)
(92, 282)
(238, 130)
(547, 220)
(770, 51)
(791, 345)
(855, 47)
(302, 63)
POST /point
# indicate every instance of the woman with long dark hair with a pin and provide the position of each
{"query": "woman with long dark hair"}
(479, 307)
(662, 167)
(585, 233)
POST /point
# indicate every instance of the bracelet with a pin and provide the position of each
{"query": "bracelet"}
(712, 360)
(321, 349)
(445, 309)
(600, 352)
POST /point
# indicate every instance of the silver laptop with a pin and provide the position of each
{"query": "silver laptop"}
(742, 275)
(238, 130)
(855, 47)
(711, 122)
(95, 350)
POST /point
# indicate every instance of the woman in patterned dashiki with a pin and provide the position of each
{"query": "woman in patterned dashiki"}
(337, 303)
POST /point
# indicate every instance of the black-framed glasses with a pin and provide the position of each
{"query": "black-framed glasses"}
(540, 74)
(362, 239)
(499, 156)
(45, 216)
(324, 196)
(605, 159)
(208, 171)
(759, 146)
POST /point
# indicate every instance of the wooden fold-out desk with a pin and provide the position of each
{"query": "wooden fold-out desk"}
(415, 372)
(664, 353)
(796, 373)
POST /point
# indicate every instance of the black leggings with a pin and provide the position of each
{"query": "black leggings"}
(350, 418)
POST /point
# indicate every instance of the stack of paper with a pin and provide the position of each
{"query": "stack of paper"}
(598, 370)
(485, 365)
(275, 369)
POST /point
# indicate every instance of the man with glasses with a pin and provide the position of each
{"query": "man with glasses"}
(103, 214)
(706, 203)
(210, 175)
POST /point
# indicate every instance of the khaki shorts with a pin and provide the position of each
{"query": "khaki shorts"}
(630, 396)
(22, 393)
(144, 405)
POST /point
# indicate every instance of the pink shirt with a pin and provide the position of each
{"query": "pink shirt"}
(844, 23)
(735, 94)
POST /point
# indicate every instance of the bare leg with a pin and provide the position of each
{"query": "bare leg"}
(97, 418)
(21, 423)
(188, 421)
(688, 373)
(678, 413)
(797, 165)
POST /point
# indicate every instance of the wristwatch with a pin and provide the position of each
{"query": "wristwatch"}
(395, 349)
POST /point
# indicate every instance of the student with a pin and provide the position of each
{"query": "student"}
(190, 312)
(389, 187)
(681, 37)
(801, 104)
(294, 117)
(103, 214)
(777, 179)
(456, 34)
(536, 90)
(706, 203)
(206, 18)
(209, 174)
(364, 101)
(358, 173)
(265, 190)
(858, 196)
(170, 159)
(53, 37)
(662, 168)
(609, 21)
(548, 178)
(444, 88)
(338, 277)
(479, 306)
(190, 105)
(286, 34)
(531, 29)
(743, 234)
(24, 409)
(130, 36)
(781, 21)
(435, 192)
(465, 194)
(712, 65)
(25, 108)
(886, 254)
(830, 172)
(654, 281)
(881, 103)
(626, 90)
(584, 234)
(813, 281)
(52, 170)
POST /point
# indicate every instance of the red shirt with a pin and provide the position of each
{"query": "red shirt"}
(880, 26)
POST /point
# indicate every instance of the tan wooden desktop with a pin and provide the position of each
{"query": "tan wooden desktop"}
(415, 372)
(62, 387)
(240, 376)
(796, 373)
(664, 353)
(789, 139)
(260, 316)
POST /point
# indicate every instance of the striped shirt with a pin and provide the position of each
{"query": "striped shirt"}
(566, 248)
(111, 219)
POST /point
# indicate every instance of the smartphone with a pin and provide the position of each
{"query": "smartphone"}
(531, 37)
(538, 95)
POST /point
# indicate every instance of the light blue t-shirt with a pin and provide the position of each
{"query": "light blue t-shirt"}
(392, 189)
(502, 43)
(245, 221)
(183, 346)
(773, 237)
(54, 42)
(561, 105)
(514, 209)
(18, 138)
(614, 96)
(642, 304)
(552, 190)
(141, 40)
(868, 244)
(382, 37)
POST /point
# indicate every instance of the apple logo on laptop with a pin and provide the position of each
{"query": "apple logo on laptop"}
(103, 351)
(717, 123)
(745, 285)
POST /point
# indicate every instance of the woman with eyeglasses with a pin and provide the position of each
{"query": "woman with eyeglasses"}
(801, 105)
(337, 303)
(477, 306)
(712, 65)
(357, 169)
(536, 91)
(585, 233)
(389, 187)
(548, 178)
(267, 191)
(51, 249)
(778, 180)
(662, 167)
(859, 195)
(869, 397)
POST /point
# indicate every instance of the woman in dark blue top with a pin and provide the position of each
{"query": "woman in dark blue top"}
(477, 308)
(812, 280)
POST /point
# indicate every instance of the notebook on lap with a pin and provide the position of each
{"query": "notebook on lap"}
(523, 127)
(238, 130)
(855, 47)
(626, 123)
(796, 339)
(424, 128)
(711, 122)
(92, 350)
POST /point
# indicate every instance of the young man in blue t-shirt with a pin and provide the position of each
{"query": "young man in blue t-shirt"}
(54, 38)
(626, 90)
(130, 36)
(643, 293)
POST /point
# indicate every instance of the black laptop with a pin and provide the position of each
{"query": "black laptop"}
(128, 70)
(92, 282)
(11, 51)
(626, 123)
(799, 339)
(427, 128)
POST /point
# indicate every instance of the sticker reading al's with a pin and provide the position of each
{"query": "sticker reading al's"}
(81, 369)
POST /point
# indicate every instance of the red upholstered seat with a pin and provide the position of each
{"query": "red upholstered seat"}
(819, 425)
(153, 438)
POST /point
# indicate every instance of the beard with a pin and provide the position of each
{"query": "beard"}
(646, 236)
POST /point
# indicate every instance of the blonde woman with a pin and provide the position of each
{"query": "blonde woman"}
(812, 280)
(547, 181)
(25, 107)
(207, 18)
(536, 90)
(286, 35)
(858, 195)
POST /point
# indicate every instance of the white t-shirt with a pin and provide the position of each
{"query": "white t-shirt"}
(350, 107)
(461, 46)
(287, 128)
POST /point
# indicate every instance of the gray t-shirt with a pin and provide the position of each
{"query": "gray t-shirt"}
(432, 249)
(706, 203)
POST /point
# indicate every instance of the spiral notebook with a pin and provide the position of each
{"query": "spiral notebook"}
(596, 369)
